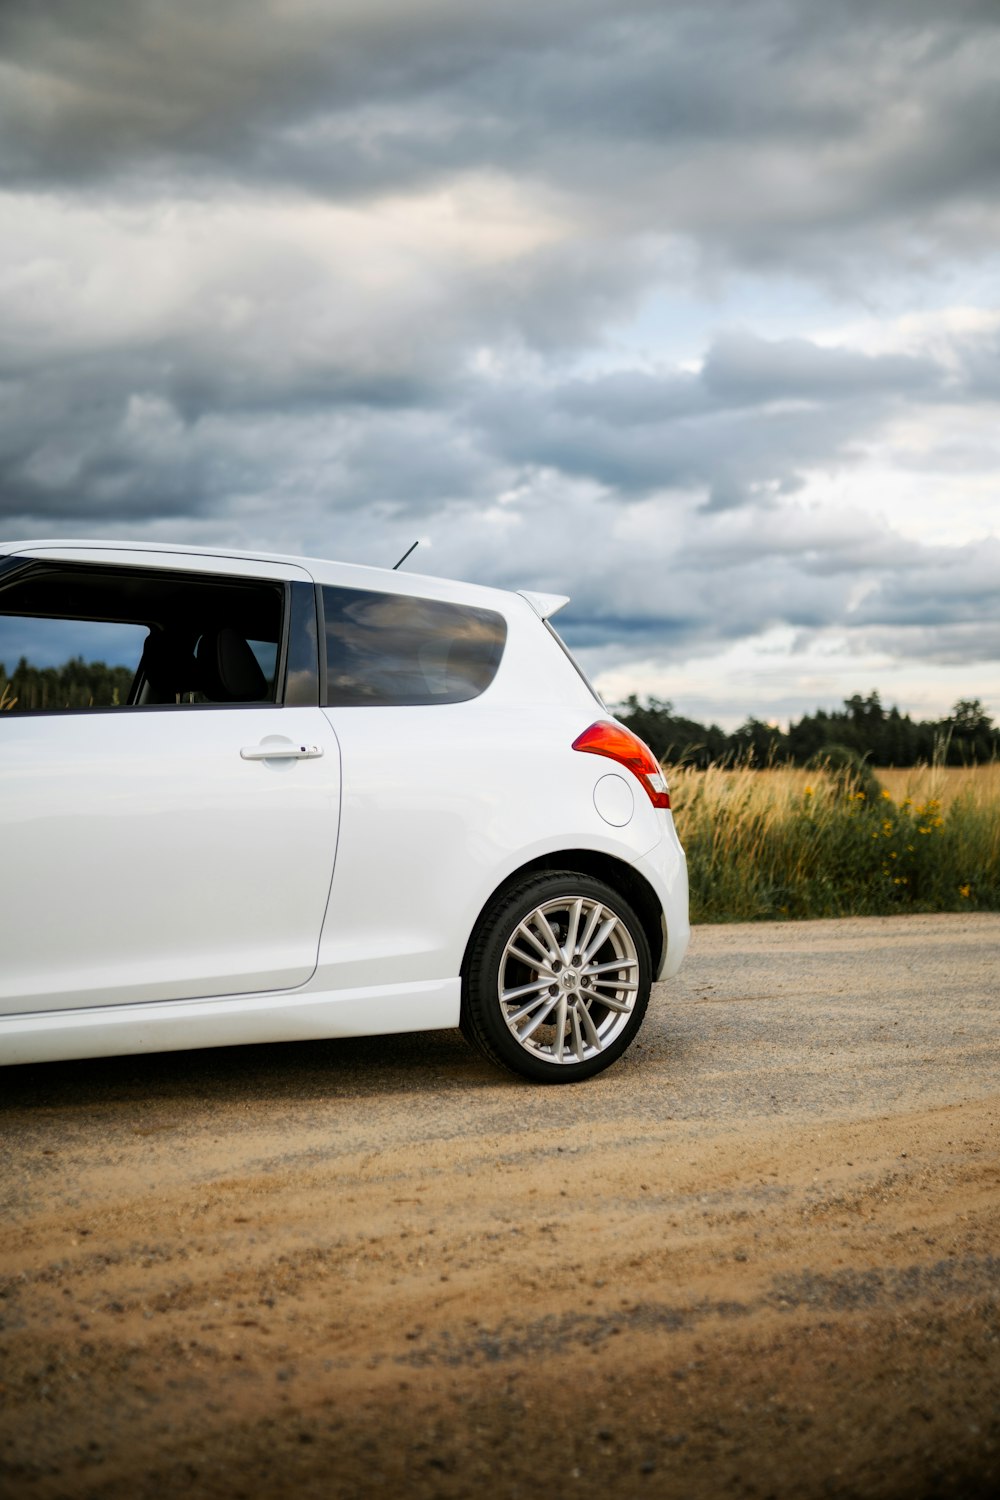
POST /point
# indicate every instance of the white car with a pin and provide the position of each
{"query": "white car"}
(306, 799)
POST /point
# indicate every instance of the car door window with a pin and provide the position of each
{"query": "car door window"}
(67, 664)
(76, 637)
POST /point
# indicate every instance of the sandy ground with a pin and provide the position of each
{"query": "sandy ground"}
(761, 1257)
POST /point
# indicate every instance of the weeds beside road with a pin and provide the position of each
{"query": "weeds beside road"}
(787, 843)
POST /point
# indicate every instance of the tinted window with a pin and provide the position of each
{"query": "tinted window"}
(396, 649)
(75, 636)
(60, 664)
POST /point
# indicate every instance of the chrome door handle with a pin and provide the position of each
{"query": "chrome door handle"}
(281, 752)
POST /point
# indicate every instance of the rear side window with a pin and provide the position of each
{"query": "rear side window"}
(396, 649)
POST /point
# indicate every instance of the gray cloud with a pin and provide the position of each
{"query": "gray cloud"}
(945, 586)
(979, 361)
(945, 645)
(743, 367)
(170, 424)
(751, 127)
(332, 275)
(743, 430)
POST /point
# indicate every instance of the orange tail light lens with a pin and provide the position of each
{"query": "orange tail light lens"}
(621, 745)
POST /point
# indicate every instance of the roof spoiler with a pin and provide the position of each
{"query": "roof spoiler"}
(545, 605)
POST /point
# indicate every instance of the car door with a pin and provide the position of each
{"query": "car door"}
(165, 852)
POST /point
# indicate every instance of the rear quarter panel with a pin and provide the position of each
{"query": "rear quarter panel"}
(440, 806)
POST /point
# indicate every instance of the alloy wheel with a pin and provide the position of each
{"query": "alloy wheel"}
(568, 979)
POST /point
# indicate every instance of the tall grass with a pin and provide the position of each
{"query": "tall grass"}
(786, 843)
(979, 784)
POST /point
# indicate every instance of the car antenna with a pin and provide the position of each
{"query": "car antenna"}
(405, 555)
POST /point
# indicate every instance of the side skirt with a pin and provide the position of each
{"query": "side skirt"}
(234, 1020)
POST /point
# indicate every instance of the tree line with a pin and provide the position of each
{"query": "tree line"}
(76, 684)
(863, 730)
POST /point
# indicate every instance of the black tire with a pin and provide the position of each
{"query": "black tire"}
(536, 1007)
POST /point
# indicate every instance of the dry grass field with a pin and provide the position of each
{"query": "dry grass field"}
(785, 842)
(981, 784)
(781, 786)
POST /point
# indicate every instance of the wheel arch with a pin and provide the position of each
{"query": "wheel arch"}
(614, 872)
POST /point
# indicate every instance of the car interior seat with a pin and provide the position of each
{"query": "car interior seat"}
(228, 671)
(166, 669)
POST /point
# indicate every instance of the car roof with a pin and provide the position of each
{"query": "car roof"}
(185, 549)
(323, 570)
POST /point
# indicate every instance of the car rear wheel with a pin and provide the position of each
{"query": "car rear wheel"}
(558, 978)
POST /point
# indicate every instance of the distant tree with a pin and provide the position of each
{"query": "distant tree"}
(969, 717)
(807, 737)
(863, 732)
(76, 684)
(759, 743)
(967, 735)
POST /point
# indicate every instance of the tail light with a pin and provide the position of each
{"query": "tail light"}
(620, 744)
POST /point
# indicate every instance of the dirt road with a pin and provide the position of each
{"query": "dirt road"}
(760, 1257)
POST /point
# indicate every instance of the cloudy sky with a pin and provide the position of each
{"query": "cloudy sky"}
(688, 310)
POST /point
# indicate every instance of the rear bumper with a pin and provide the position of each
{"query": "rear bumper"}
(665, 867)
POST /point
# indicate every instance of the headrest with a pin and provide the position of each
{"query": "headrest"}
(168, 665)
(228, 669)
